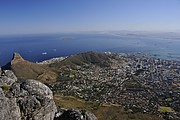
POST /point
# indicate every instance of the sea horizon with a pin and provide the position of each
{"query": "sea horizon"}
(39, 47)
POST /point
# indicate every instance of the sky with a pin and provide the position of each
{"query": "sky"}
(54, 16)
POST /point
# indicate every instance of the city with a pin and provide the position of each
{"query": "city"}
(136, 81)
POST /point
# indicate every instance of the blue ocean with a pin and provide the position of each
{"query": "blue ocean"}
(45, 46)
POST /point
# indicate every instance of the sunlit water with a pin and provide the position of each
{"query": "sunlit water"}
(40, 47)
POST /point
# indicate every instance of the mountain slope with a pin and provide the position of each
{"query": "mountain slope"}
(27, 70)
(100, 59)
(24, 69)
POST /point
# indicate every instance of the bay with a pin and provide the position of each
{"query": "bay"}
(45, 46)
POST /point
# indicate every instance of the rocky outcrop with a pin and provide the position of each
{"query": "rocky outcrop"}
(26, 100)
(7, 77)
(37, 88)
(32, 100)
(9, 108)
(17, 58)
(35, 100)
(75, 114)
(24, 69)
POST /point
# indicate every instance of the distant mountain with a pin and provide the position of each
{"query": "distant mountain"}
(24, 69)
(100, 59)
(94, 77)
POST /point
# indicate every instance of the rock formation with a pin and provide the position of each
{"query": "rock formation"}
(17, 58)
(32, 100)
(75, 114)
(26, 100)
(7, 77)
(24, 69)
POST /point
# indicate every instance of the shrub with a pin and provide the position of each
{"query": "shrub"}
(5, 87)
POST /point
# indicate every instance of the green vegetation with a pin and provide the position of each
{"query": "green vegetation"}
(130, 84)
(165, 109)
(101, 110)
(168, 99)
(33, 71)
(5, 87)
(176, 90)
(73, 102)
(81, 59)
(50, 73)
(27, 70)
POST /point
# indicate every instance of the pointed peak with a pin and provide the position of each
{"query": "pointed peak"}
(17, 58)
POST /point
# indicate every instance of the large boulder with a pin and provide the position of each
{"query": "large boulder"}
(31, 99)
(75, 114)
(35, 100)
(4, 105)
(37, 88)
(26, 100)
(9, 108)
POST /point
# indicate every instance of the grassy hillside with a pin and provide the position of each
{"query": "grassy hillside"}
(24, 69)
(100, 59)
(50, 73)
(27, 70)
(102, 111)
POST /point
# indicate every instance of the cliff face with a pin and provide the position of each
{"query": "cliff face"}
(32, 100)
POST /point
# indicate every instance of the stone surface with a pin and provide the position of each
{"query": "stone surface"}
(8, 78)
(75, 114)
(32, 100)
(8, 108)
(37, 88)
(90, 116)
(14, 109)
(4, 107)
(35, 100)
(26, 100)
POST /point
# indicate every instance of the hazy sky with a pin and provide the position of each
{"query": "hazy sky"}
(48, 16)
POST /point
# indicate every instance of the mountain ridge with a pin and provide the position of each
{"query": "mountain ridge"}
(89, 76)
(24, 69)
